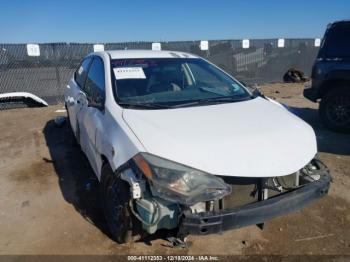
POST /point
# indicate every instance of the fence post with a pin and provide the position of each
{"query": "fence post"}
(58, 78)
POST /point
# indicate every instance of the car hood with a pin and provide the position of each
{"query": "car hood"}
(254, 138)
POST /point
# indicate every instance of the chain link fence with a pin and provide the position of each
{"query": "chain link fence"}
(47, 75)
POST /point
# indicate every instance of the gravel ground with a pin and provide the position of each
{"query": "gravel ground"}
(48, 206)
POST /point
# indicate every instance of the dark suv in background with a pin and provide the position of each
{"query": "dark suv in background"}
(331, 78)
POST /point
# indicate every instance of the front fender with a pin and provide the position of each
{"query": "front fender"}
(115, 141)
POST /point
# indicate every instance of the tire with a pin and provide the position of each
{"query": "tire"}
(77, 134)
(73, 134)
(335, 109)
(115, 197)
(68, 118)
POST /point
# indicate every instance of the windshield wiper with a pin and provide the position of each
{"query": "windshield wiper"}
(212, 90)
(209, 101)
(143, 105)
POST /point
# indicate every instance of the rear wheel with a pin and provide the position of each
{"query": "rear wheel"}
(115, 197)
(335, 109)
(74, 134)
(77, 134)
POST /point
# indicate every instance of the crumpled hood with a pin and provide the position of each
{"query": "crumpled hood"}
(254, 138)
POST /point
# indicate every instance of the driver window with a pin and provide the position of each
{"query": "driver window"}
(95, 83)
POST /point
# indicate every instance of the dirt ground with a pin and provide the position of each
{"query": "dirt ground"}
(48, 198)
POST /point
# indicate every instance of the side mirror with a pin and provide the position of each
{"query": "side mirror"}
(256, 92)
(254, 89)
(97, 101)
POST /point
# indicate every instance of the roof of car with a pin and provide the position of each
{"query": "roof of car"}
(120, 54)
(346, 21)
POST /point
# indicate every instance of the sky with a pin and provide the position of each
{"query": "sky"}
(87, 21)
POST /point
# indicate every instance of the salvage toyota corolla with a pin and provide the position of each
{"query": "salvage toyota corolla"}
(177, 143)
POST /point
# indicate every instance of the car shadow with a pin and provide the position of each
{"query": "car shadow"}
(327, 141)
(77, 181)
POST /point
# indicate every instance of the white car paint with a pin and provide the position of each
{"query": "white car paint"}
(254, 138)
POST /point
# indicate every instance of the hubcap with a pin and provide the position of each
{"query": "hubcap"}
(339, 110)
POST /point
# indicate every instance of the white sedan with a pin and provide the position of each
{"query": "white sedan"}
(177, 143)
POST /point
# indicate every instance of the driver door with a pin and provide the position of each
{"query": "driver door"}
(92, 110)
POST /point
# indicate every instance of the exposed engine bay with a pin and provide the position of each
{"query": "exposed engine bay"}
(156, 213)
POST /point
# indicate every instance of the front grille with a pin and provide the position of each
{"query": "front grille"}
(249, 190)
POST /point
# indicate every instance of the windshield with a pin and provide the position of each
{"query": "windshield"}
(172, 82)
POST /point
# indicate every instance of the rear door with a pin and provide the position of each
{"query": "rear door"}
(92, 113)
(75, 95)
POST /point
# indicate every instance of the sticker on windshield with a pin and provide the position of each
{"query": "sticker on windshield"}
(129, 73)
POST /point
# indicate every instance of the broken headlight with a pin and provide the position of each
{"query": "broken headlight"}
(178, 183)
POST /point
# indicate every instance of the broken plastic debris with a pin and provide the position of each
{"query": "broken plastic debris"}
(175, 242)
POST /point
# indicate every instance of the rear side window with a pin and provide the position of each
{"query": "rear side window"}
(337, 41)
(81, 73)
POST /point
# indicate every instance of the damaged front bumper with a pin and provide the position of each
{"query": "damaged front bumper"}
(217, 221)
(250, 200)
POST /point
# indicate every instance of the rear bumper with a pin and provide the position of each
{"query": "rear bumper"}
(209, 223)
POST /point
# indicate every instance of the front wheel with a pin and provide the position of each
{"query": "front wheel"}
(115, 197)
(335, 109)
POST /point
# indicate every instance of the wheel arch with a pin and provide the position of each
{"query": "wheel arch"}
(104, 161)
